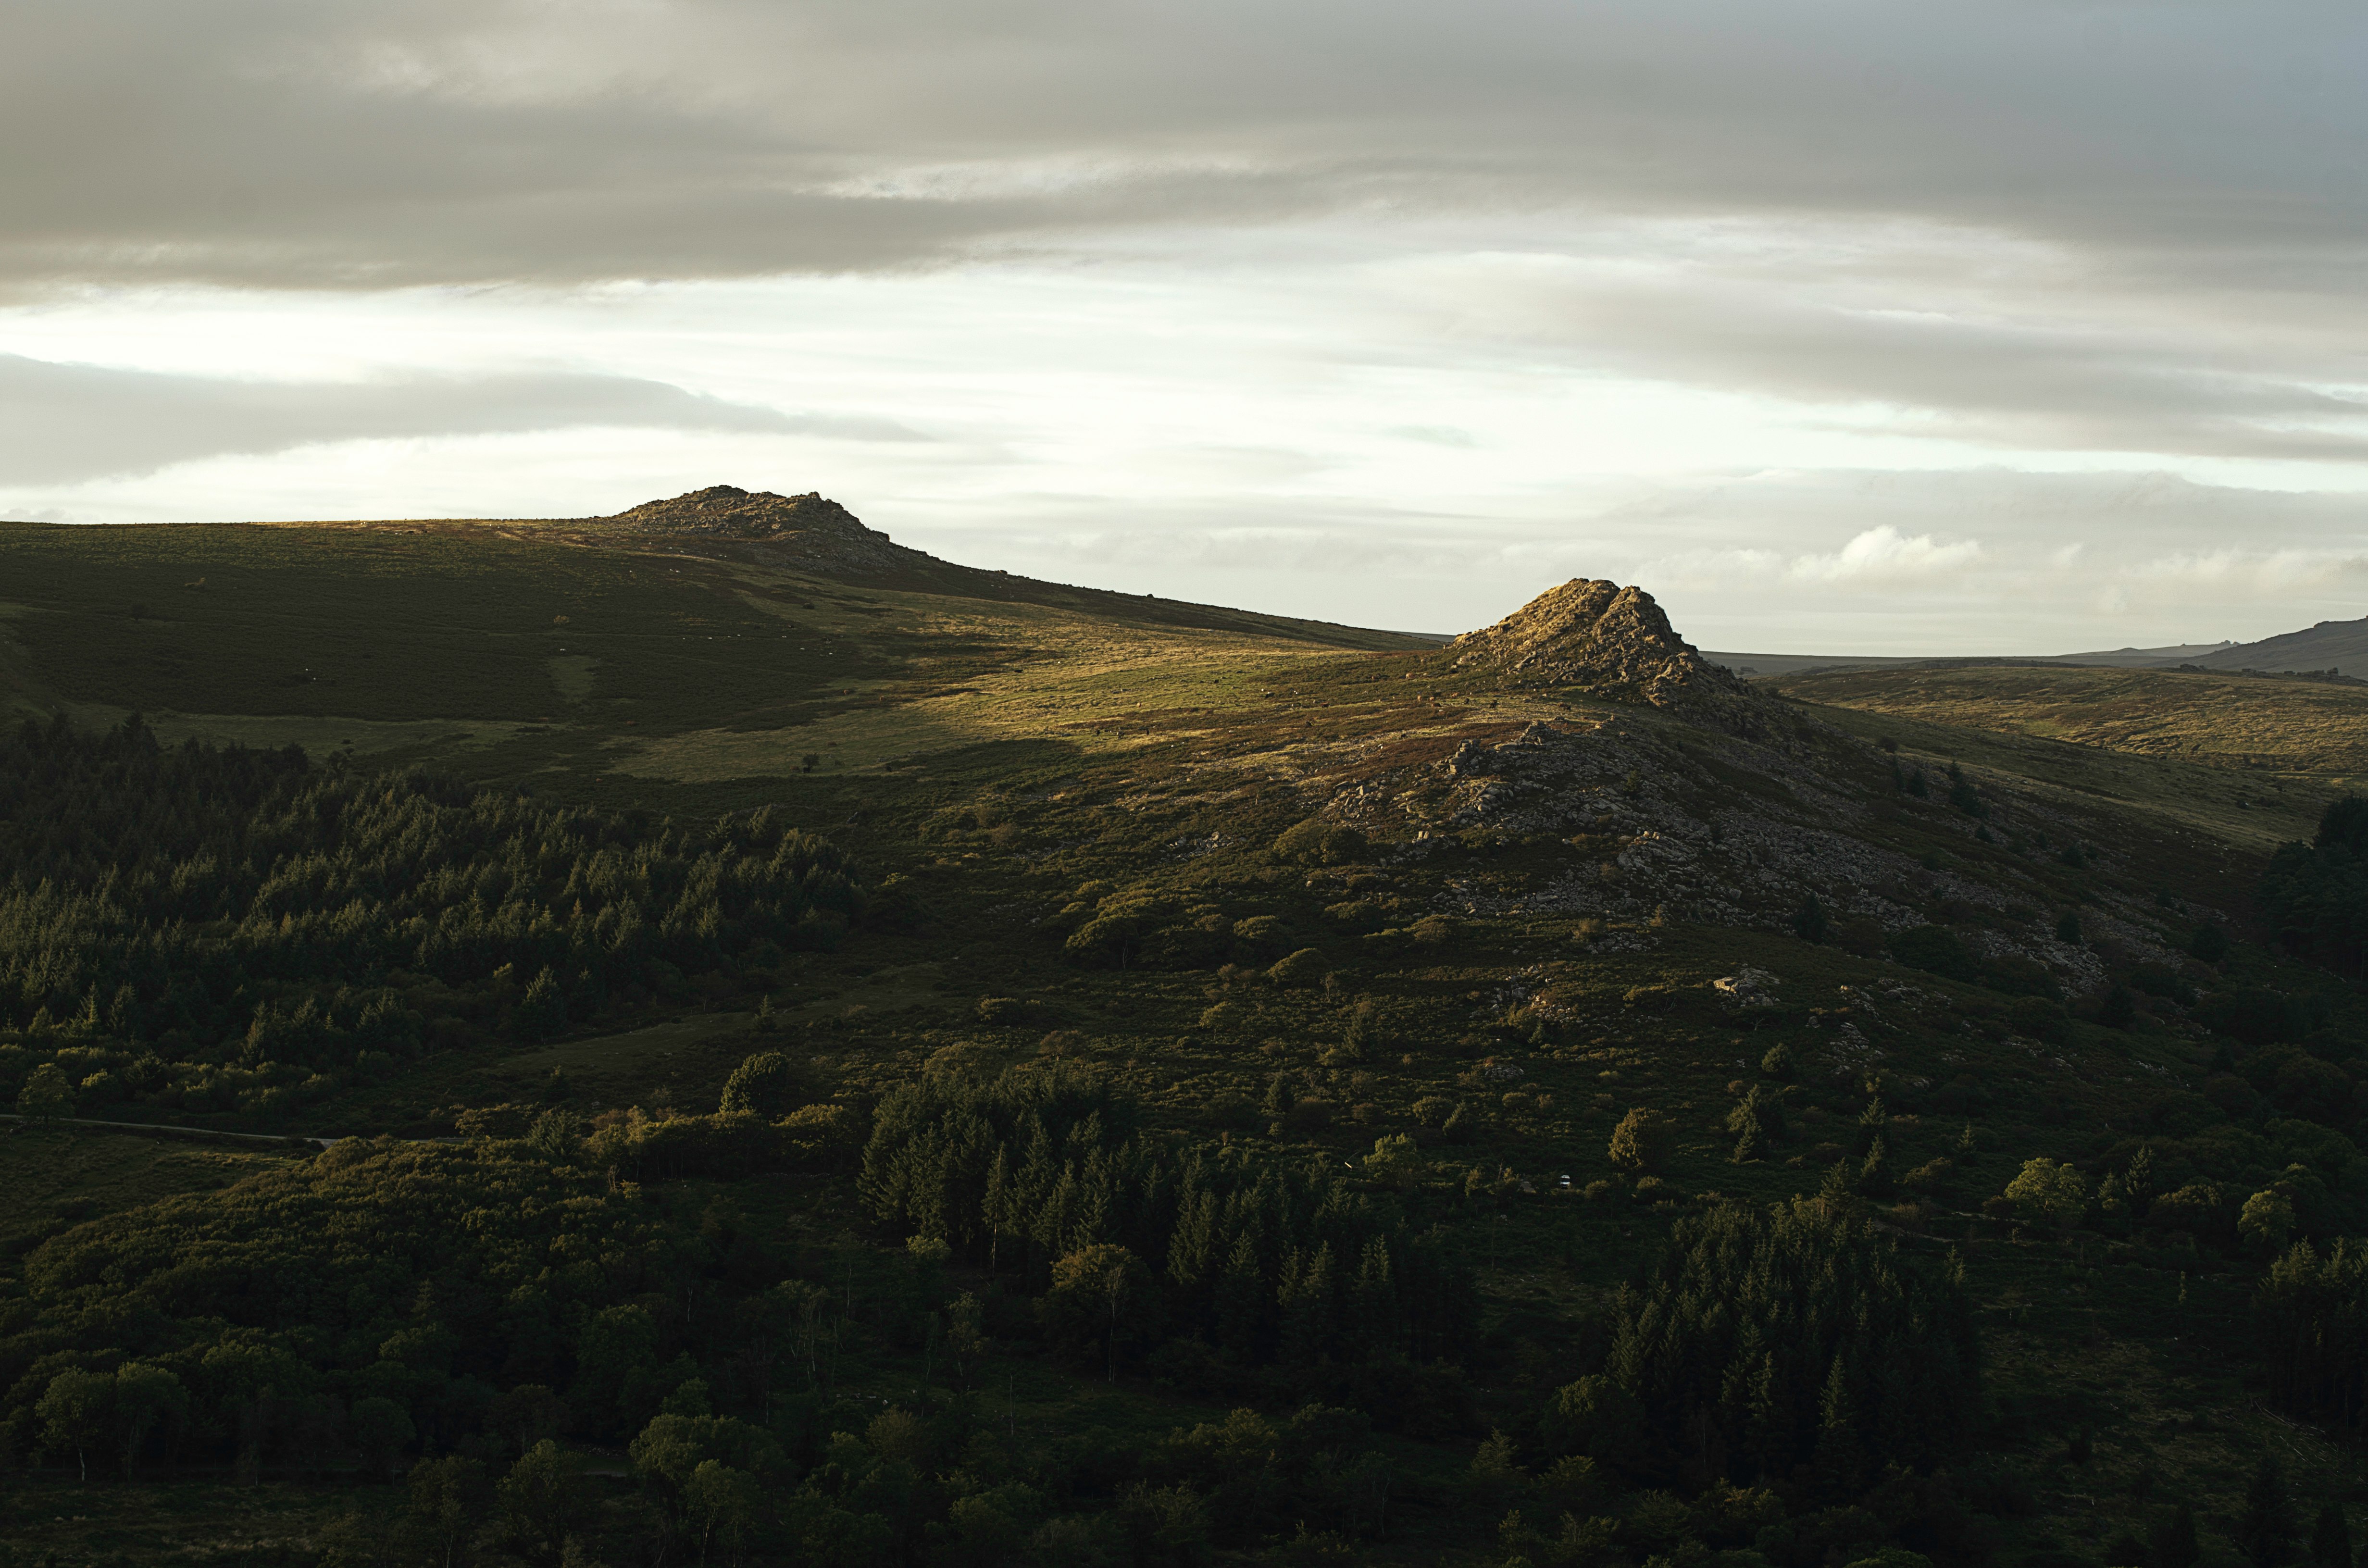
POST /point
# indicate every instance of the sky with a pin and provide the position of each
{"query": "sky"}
(1865, 326)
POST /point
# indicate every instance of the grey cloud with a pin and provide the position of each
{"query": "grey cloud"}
(330, 142)
(2015, 384)
(61, 423)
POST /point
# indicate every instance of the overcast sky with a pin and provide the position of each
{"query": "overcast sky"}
(1871, 325)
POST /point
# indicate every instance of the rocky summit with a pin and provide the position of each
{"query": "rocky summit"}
(816, 529)
(1596, 634)
(1609, 640)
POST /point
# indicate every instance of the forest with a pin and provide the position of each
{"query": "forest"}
(197, 926)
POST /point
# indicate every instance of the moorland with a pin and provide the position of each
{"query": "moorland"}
(705, 1035)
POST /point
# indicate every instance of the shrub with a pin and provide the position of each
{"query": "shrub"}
(2040, 1018)
(2265, 1221)
(1643, 1140)
(822, 1135)
(1365, 1032)
(763, 1085)
(1809, 921)
(1305, 967)
(1260, 937)
(2200, 1208)
(1934, 1178)
(1113, 936)
(1318, 843)
(2046, 1190)
(1393, 1159)
(1936, 950)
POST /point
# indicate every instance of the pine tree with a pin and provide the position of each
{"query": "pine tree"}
(2171, 1543)
(1875, 1176)
(2330, 1539)
(1240, 1300)
(2267, 1528)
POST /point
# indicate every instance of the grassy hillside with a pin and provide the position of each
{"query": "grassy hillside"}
(2280, 725)
(2330, 645)
(1308, 903)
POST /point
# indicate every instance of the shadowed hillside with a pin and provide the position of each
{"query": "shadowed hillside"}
(839, 1056)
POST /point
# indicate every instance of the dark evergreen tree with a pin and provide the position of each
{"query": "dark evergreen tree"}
(2330, 1539)
(1026, 1169)
(1766, 1339)
(2172, 1544)
(2311, 1319)
(2266, 1528)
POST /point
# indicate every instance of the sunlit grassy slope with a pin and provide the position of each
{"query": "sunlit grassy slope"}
(512, 653)
(2267, 722)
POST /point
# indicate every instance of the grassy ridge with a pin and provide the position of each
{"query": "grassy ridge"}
(2272, 723)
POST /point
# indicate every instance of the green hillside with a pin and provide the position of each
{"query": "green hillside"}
(984, 1073)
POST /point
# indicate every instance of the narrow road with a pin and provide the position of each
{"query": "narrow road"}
(166, 1127)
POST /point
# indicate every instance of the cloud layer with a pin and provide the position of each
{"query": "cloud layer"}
(342, 143)
(74, 422)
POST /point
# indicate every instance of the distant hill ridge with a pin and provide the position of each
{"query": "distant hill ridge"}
(2334, 645)
(811, 533)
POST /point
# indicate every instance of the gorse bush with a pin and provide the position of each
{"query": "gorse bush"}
(176, 898)
(1266, 1262)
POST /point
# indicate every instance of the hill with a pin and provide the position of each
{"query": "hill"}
(985, 1072)
(2314, 733)
(1753, 665)
(2340, 646)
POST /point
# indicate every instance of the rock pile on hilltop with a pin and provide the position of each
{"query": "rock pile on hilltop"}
(1613, 641)
(812, 530)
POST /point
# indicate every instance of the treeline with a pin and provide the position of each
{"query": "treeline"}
(2317, 893)
(195, 900)
(1263, 1262)
(459, 1311)
(1766, 1340)
(2312, 1314)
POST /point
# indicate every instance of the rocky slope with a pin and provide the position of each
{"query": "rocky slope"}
(1691, 796)
(1600, 637)
(810, 532)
